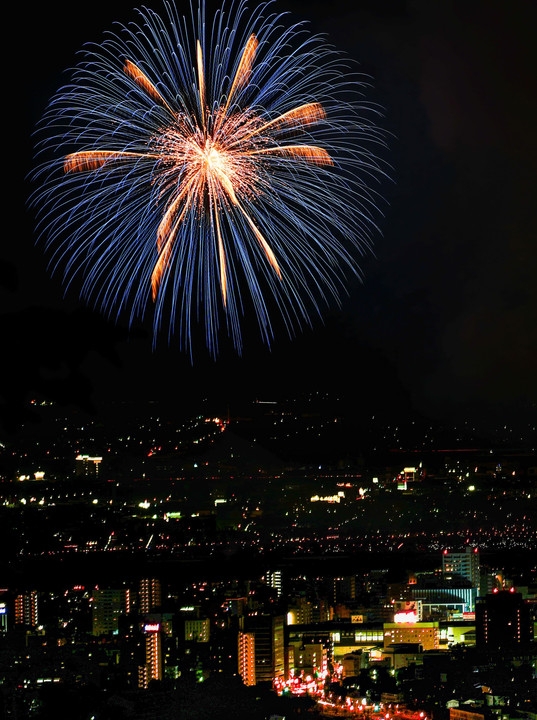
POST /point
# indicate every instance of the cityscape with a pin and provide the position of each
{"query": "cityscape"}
(223, 566)
(268, 402)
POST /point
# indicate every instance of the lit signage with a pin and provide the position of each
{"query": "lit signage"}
(3, 609)
(407, 616)
(152, 627)
(328, 498)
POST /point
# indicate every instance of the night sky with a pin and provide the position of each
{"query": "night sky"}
(445, 320)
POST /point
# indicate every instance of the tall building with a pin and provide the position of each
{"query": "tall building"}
(107, 606)
(274, 580)
(26, 610)
(247, 657)
(150, 595)
(300, 612)
(465, 564)
(262, 640)
(344, 588)
(153, 667)
(502, 621)
(197, 630)
(87, 466)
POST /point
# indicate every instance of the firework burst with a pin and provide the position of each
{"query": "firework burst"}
(204, 169)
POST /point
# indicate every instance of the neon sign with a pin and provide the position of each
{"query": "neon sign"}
(407, 616)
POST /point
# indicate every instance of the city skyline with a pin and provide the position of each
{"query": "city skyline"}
(340, 525)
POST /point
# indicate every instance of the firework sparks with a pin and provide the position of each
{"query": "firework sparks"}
(232, 172)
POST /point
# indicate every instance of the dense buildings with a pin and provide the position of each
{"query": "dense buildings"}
(191, 559)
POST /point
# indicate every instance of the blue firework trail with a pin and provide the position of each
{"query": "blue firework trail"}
(204, 169)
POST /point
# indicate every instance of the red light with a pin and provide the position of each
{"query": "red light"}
(512, 589)
(495, 590)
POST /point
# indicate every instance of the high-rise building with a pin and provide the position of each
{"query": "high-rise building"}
(344, 588)
(264, 637)
(465, 564)
(502, 621)
(197, 630)
(247, 657)
(150, 595)
(107, 606)
(26, 610)
(321, 610)
(274, 580)
(88, 466)
(300, 612)
(153, 667)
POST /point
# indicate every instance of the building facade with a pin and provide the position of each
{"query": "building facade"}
(262, 639)
(503, 621)
(465, 564)
(153, 667)
(426, 634)
(150, 595)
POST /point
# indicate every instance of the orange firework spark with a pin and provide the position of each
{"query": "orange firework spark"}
(212, 160)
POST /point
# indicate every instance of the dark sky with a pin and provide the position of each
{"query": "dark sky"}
(445, 321)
